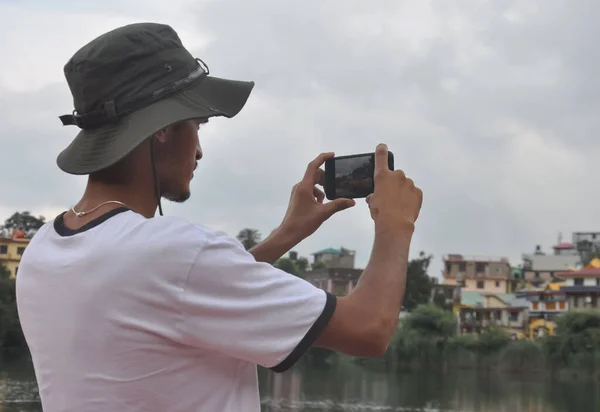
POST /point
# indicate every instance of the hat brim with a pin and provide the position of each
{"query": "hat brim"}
(96, 149)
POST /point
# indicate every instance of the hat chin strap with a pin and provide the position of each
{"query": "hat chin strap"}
(156, 181)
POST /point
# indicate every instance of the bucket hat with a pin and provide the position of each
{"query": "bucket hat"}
(131, 82)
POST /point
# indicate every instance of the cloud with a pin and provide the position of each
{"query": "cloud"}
(490, 106)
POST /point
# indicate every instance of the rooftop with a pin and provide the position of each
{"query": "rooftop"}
(592, 270)
(551, 263)
(455, 257)
(333, 251)
(564, 245)
(477, 299)
(329, 251)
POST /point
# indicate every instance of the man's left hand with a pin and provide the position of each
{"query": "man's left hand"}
(306, 211)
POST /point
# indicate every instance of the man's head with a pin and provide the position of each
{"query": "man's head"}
(139, 81)
(175, 151)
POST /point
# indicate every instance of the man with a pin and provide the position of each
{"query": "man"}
(124, 311)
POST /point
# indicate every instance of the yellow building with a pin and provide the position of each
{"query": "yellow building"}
(11, 249)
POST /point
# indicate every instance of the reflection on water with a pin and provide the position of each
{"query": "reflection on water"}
(351, 387)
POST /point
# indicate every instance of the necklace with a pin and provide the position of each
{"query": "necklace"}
(79, 214)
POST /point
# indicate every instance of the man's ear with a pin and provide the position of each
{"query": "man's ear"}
(161, 135)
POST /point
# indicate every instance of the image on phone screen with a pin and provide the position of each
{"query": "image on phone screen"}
(354, 176)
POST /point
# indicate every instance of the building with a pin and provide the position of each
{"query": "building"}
(334, 258)
(12, 247)
(545, 304)
(587, 244)
(540, 268)
(478, 274)
(337, 281)
(582, 287)
(483, 310)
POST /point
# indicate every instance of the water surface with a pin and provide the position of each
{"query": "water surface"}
(351, 387)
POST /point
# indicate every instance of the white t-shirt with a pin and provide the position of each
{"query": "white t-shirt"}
(134, 314)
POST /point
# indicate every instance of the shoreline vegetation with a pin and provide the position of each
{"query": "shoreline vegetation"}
(427, 339)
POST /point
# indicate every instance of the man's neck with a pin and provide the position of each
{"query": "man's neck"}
(138, 198)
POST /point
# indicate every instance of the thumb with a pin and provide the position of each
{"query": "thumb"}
(338, 205)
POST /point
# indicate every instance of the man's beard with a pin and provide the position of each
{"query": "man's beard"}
(180, 197)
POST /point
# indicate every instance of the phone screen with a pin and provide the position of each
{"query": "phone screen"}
(351, 176)
(354, 176)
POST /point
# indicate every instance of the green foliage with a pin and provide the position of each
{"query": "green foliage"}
(318, 265)
(302, 264)
(427, 338)
(430, 321)
(290, 266)
(492, 340)
(11, 335)
(249, 238)
(24, 221)
(296, 267)
(418, 283)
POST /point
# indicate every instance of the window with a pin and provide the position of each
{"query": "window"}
(561, 305)
(597, 281)
(578, 282)
(462, 266)
(497, 283)
(20, 250)
(480, 284)
(3, 249)
(514, 316)
(480, 267)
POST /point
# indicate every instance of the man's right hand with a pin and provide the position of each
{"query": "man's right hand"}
(395, 202)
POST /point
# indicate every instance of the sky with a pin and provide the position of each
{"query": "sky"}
(491, 107)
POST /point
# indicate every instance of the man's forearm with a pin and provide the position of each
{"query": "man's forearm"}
(382, 284)
(277, 244)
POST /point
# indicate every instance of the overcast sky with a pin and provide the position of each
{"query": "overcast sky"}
(490, 106)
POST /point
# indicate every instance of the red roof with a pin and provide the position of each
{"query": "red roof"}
(564, 246)
(585, 272)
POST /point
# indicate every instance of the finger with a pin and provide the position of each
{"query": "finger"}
(320, 177)
(381, 158)
(319, 195)
(338, 205)
(368, 199)
(312, 169)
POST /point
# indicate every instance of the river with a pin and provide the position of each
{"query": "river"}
(352, 387)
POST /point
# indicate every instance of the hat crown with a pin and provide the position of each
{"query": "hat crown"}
(125, 63)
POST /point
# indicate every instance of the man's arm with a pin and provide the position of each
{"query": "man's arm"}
(365, 320)
(277, 244)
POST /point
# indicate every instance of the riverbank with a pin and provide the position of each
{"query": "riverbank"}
(427, 339)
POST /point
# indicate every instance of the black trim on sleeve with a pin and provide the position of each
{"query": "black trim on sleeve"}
(311, 336)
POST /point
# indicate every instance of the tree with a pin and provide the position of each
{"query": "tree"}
(318, 265)
(302, 264)
(24, 221)
(296, 267)
(11, 334)
(288, 265)
(418, 283)
(249, 238)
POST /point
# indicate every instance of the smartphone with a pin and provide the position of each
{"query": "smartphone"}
(351, 176)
